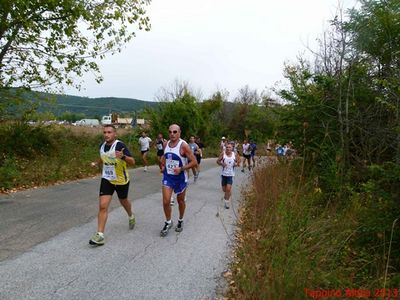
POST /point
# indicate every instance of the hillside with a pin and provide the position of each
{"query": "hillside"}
(59, 104)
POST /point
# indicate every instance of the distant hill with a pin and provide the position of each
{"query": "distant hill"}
(58, 104)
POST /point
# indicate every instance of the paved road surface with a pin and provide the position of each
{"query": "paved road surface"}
(45, 254)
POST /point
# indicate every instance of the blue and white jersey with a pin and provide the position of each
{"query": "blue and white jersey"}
(174, 159)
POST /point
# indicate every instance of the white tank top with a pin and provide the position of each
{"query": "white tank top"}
(246, 149)
(230, 161)
(173, 158)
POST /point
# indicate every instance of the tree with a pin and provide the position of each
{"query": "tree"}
(184, 111)
(49, 42)
(375, 28)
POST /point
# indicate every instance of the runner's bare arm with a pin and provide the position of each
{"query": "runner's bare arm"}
(162, 163)
(219, 160)
(237, 159)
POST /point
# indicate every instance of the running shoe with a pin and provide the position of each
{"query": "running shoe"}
(226, 204)
(195, 177)
(145, 168)
(179, 227)
(97, 239)
(242, 170)
(132, 221)
(172, 202)
(166, 228)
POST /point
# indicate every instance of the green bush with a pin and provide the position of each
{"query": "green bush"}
(8, 173)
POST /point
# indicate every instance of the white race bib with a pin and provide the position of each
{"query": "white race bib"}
(171, 164)
(109, 172)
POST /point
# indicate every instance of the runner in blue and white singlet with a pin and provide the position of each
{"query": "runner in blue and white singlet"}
(173, 160)
(174, 163)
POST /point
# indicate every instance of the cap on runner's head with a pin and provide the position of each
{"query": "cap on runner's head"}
(223, 138)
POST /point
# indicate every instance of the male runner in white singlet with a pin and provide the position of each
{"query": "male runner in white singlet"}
(175, 163)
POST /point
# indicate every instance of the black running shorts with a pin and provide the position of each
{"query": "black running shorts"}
(198, 158)
(107, 188)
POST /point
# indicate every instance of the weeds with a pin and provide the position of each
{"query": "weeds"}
(41, 155)
(291, 240)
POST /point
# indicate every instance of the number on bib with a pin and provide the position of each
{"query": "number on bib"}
(109, 172)
(171, 164)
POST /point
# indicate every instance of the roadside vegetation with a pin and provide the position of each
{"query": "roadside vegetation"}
(329, 220)
(34, 156)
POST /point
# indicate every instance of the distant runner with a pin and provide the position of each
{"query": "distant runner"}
(115, 157)
(196, 151)
(160, 142)
(223, 144)
(144, 142)
(174, 161)
(253, 148)
(199, 156)
(228, 160)
(246, 155)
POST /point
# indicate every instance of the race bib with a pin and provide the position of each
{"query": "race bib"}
(160, 146)
(171, 164)
(109, 172)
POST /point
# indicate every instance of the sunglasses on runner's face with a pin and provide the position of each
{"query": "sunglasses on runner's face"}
(173, 131)
(107, 132)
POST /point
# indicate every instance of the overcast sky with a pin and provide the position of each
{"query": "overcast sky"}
(213, 44)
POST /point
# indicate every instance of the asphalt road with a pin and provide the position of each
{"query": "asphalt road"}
(44, 235)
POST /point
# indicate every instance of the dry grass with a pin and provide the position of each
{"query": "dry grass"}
(78, 130)
(289, 241)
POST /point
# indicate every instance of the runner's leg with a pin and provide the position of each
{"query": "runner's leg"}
(104, 203)
(182, 204)
(228, 189)
(167, 193)
(144, 156)
(126, 204)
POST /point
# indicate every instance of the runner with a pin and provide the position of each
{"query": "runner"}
(160, 142)
(196, 151)
(199, 156)
(246, 154)
(174, 161)
(235, 145)
(228, 160)
(280, 151)
(253, 147)
(114, 156)
(144, 142)
(223, 144)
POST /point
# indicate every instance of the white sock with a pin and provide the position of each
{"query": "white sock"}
(168, 221)
(100, 233)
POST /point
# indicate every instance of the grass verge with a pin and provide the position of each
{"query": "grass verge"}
(294, 243)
